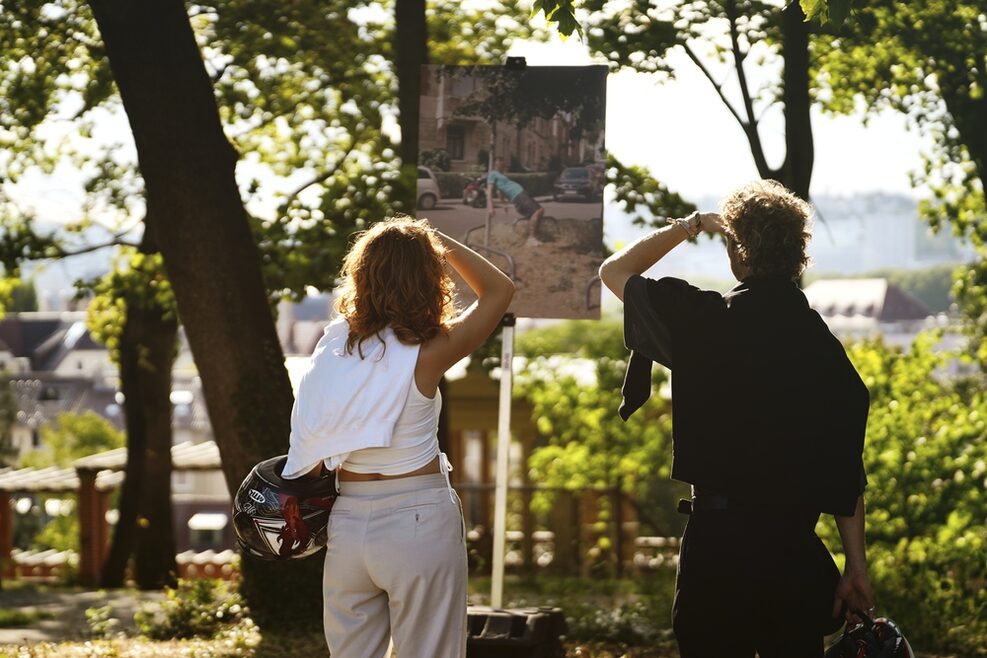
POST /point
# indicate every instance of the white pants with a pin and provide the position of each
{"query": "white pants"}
(396, 567)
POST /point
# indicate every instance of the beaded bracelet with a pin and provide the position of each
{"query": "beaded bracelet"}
(687, 227)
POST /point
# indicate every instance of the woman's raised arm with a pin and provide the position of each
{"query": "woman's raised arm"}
(494, 291)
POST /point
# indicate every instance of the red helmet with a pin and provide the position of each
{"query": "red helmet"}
(871, 638)
(276, 518)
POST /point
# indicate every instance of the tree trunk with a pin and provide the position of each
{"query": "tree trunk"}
(212, 263)
(148, 346)
(410, 53)
(154, 555)
(147, 352)
(796, 172)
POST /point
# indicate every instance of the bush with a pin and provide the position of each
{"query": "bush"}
(633, 624)
(21, 618)
(101, 622)
(195, 609)
(437, 160)
(926, 462)
(535, 184)
(451, 184)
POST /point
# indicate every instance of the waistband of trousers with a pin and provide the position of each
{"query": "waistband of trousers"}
(380, 488)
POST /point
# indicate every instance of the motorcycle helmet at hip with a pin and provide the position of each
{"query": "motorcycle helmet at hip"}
(276, 518)
(872, 638)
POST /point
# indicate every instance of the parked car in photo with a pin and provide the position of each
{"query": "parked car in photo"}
(577, 183)
(428, 189)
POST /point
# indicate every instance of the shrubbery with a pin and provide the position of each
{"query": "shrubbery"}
(926, 461)
(196, 608)
(925, 455)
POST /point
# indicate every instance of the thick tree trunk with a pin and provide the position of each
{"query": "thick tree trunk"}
(410, 52)
(212, 262)
(796, 172)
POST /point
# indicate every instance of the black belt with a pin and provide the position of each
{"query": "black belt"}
(705, 503)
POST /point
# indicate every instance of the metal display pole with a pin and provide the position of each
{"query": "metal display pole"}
(503, 458)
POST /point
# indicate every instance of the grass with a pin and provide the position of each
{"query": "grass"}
(21, 618)
(606, 618)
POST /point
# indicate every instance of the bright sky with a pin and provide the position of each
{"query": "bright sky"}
(682, 131)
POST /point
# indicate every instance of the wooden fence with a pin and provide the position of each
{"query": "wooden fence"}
(585, 531)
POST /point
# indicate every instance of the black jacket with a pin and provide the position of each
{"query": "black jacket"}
(766, 406)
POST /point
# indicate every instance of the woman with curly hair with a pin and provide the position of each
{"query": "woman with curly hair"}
(368, 408)
(768, 427)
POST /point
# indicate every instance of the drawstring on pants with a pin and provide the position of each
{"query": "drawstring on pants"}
(446, 467)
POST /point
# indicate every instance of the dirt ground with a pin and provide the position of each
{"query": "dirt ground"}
(556, 279)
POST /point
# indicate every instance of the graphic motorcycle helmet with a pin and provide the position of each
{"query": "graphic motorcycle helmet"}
(871, 638)
(275, 518)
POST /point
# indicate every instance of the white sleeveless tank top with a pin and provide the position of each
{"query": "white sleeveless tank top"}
(414, 442)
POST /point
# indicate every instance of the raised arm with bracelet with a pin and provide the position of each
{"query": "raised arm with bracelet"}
(639, 256)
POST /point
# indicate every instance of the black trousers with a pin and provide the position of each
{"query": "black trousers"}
(753, 582)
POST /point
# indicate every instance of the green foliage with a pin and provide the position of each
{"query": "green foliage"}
(563, 12)
(927, 61)
(926, 462)
(518, 96)
(633, 611)
(827, 11)
(137, 281)
(560, 12)
(437, 160)
(572, 381)
(24, 297)
(451, 183)
(21, 618)
(195, 609)
(60, 533)
(303, 89)
(71, 437)
(101, 622)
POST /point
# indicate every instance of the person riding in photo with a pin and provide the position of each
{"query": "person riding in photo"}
(527, 208)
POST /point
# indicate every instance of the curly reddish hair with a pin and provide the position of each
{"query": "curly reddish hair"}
(770, 227)
(394, 275)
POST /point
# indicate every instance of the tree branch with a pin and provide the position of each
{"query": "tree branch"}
(61, 252)
(717, 86)
(321, 178)
(753, 136)
(220, 72)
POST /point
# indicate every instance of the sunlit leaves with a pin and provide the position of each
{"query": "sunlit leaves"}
(926, 462)
(137, 280)
(560, 12)
(71, 437)
(572, 381)
(827, 11)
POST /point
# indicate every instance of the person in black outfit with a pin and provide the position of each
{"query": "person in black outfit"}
(769, 417)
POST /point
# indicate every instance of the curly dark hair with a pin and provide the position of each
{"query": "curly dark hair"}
(770, 226)
(394, 275)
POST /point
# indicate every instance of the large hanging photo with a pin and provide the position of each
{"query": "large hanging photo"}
(511, 162)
